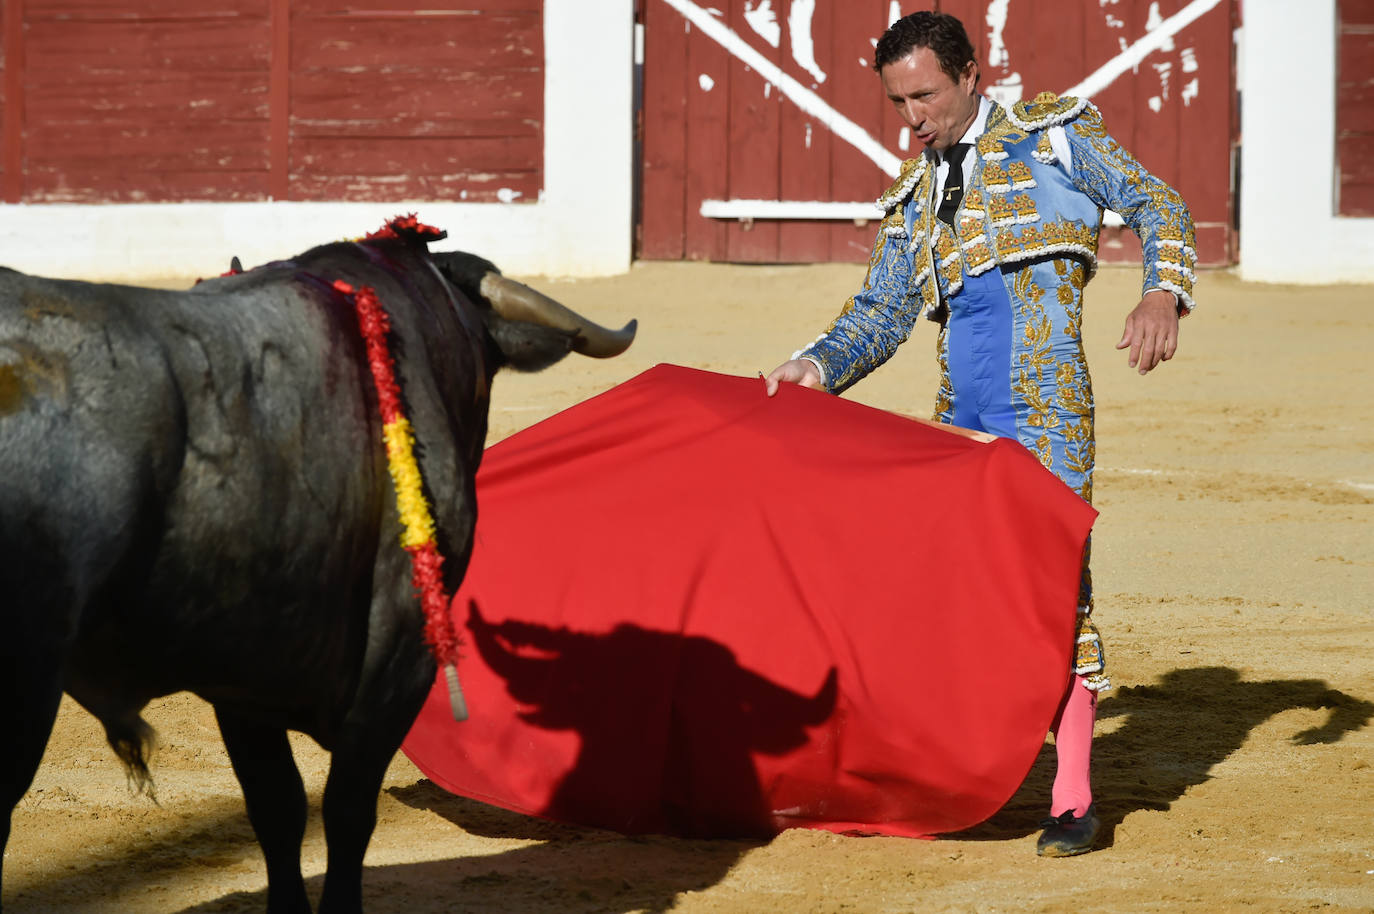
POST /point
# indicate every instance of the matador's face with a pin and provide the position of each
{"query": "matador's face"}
(937, 109)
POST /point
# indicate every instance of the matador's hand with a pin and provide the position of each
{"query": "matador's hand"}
(1151, 330)
(798, 371)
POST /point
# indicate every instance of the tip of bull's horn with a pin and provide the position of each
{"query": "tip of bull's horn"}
(517, 301)
(611, 342)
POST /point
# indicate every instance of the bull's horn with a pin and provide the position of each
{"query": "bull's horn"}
(518, 302)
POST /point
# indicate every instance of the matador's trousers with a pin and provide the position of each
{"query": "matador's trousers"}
(980, 353)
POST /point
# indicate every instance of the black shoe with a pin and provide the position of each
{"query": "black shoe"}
(1066, 835)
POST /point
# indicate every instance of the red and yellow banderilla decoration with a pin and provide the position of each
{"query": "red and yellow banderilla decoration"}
(417, 533)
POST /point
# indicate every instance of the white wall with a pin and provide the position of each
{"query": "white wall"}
(581, 225)
(1288, 232)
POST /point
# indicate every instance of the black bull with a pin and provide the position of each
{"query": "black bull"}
(194, 495)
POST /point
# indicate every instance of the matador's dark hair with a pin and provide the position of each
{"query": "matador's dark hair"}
(941, 32)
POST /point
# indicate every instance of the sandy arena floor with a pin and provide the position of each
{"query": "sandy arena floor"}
(1234, 565)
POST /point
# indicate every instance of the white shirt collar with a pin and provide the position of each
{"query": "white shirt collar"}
(975, 129)
(980, 121)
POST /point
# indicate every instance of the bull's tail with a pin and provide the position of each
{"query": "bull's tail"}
(133, 740)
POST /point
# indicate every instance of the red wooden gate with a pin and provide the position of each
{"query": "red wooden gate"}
(233, 100)
(747, 101)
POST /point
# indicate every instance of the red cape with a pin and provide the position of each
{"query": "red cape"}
(692, 609)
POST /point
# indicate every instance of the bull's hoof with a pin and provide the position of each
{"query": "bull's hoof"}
(1068, 835)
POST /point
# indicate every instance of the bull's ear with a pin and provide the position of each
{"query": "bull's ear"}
(525, 346)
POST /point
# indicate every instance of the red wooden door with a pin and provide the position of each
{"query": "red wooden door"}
(234, 100)
(775, 100)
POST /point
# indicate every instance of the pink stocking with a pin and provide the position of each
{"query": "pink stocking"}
(1073, 745)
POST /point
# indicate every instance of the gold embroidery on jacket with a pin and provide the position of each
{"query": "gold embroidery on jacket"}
(874, 259)
(973, 201)
(995, 178)
(1045, 238)
(1000, 211)
(944, 397)
(990, 147)
(1023, 208)
(1019, 174)
(978, 256)
(947, 260)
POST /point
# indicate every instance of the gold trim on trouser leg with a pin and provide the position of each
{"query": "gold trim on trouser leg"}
(1090, 661)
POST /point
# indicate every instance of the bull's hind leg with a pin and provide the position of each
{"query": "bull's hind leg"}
(35, 615)
(275, 798)
(32, 693)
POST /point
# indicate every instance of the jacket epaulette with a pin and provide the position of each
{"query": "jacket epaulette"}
(1047, 110)
(907, 178)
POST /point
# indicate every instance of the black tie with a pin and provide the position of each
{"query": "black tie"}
(954, 183)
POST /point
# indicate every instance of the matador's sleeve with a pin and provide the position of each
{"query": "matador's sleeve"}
(1113, 178)
(879, 318)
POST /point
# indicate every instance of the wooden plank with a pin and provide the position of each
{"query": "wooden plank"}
(388, 104)
(1104, 31)
(279, 103)
(407, 7)
(1030, 31)
(1357, 162)
(417, 42)
(194, 47)
(1216, 243)
(110, 10)
(146, 109)
(974, 15)
(752, 155)
(416, 102)
(1207, 103)
(12, 159)
(663, 215)
(707, 75)
(451, 158)
(1355, 12)
(856, 92)
(148, 152)
(505, 186)
(1357, 199)
(1355, 81)
(1198, 103)
(4, 93)
(1355, 110)
(107, 184)
(224, 102)
(1124, 102)
(804, 151)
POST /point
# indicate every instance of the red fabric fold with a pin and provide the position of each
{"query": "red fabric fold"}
(692, 609)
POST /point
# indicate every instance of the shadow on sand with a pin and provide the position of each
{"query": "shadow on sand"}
(581, 871)
(1174, 734)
